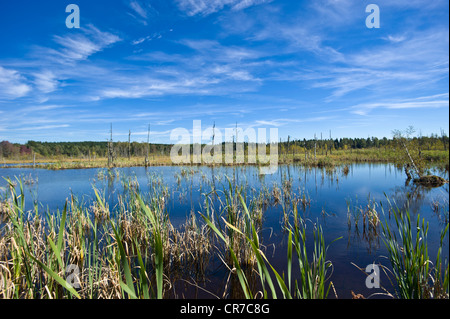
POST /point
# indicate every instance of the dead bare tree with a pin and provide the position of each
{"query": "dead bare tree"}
(147, 158)
(411, 160)
(315, 147)
(110, 150)
(129, 144)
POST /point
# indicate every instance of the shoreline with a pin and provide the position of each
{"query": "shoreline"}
(431, 158)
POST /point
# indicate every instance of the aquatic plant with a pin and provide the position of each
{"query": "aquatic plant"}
(92, 252)
(417, 277)
(314, 268)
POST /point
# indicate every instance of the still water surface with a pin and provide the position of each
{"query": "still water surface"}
(330, 193)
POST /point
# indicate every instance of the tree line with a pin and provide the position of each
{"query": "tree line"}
(80, 149)
(125, 149)
(432, 142)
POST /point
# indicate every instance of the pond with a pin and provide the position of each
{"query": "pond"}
(332, 198)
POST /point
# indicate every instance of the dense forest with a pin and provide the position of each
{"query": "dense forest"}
(125, 149)
(79, 149)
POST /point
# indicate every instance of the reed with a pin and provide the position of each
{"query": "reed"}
(365, 216)
(34, 257)
(90, 251)
(251, 238)
(314, 268)
(132, 249)
(417, 277)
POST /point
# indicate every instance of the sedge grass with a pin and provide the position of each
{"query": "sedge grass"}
(133, 251)
(416, 275)
(128, 253)
(314, 268)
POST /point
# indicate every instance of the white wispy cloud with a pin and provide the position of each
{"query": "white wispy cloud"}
(213, 50)
(76, 47)
(416, 62)
(284, 36)
(426, 102)
(408, 4)
(146, 38)
(138, 9)
(140, 40)
(395, 38)
(209, 68)
(145, 86)
(81, 46)
(45, 69)
(41, 127)
(12, 84)
(207, 7)
(284, 121)
(209, 80)
(73, 47)
(422, 49)
(336, 13)
(232, 67)
(141, 11)
(45, 107)
(46, 81)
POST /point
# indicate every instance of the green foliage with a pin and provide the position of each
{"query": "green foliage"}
(417, 277)
(98, 149)
(315, 270)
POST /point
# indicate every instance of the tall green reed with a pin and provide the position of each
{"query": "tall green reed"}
(315, 269)
(315, 272)
(417, 277)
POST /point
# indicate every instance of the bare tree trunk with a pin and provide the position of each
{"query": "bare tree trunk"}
(286, 151)
(110, 150)
(412, 161)
(315, 147)
(147, 158)
(331, 144)
(321, 142)
(129, 144)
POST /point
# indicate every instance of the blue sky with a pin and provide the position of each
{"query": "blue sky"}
(305, 67)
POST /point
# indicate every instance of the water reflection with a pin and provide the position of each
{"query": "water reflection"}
(349, 201)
